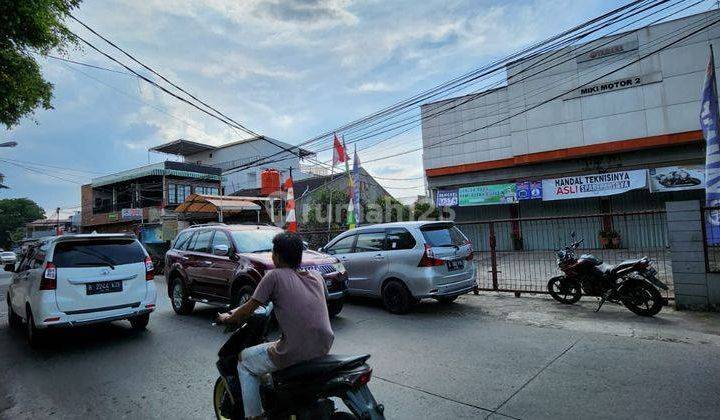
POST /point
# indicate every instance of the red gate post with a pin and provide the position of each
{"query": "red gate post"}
(493, 256)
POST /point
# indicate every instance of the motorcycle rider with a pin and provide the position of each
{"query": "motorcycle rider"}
(299, 304)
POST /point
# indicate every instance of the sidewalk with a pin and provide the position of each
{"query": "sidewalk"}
(542, 311)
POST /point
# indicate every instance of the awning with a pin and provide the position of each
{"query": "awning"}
(183, 147)
(196, 203)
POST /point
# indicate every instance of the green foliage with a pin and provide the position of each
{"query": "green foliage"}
(27, 27)
(14, 214)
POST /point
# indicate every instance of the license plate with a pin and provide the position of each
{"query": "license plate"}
(454, 265)
(103, 287)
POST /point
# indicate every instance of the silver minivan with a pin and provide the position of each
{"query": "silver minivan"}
(404, 262)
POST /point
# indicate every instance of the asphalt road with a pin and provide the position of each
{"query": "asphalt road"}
(472, 359)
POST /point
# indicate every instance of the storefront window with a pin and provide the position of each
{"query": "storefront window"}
(177, 193)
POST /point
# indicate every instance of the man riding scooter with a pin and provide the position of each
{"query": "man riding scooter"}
(299, 305)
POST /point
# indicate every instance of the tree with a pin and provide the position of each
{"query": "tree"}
(27, 27)
(14, 214)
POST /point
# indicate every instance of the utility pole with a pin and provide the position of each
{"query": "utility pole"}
(57, 226)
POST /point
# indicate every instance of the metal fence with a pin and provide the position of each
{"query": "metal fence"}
(711, 238)
(518, 255)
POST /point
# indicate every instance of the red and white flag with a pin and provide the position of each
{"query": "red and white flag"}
(290, 220)
(339, 155)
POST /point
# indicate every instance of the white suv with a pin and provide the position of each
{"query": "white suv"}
(72, 280)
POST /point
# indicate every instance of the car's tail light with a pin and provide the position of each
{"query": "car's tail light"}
(149, 269)
(428, 258)
(49, 277)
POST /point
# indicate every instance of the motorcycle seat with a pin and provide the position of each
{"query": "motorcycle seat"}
(627, 264)
(605, 268)
(319, 367)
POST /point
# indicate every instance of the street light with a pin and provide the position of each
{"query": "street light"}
(9, 144)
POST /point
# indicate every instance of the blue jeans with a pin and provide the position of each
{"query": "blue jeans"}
(254, 363)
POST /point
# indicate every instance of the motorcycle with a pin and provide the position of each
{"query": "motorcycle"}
(302, 391)
(633, 283)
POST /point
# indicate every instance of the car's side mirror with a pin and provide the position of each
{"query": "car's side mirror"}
(321, 249)
(306, 244)
(221, 250)
(9, 267)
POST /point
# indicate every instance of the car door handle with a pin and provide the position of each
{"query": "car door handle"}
(207, 263)
(378, 257)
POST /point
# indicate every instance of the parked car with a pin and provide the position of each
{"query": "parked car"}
(72, 280)
(222, 264)
(7, 257)
(404, 262)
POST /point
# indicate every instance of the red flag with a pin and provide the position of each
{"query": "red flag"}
(290, 206)
(339, 155)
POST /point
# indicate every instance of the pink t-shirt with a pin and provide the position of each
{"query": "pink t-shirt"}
(299, 304)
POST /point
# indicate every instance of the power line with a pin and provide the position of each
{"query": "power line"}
(554, 97)
(472, 75)
(130, 56)
(85, 64)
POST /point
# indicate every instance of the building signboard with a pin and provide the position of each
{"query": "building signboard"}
(528, 190)
(481, 195)
(112, 217)
(595, 185)
(446, 198)
(613, 85)
(131, 214)
(608, 50)
(676, 178)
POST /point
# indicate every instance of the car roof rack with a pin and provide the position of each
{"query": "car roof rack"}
(207, 224)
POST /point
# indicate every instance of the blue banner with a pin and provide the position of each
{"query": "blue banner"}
(446, 198)
(709, 125)
(528, 190)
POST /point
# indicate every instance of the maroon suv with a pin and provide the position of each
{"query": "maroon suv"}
(221, 264)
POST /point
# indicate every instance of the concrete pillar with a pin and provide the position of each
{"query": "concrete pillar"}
(695, 289)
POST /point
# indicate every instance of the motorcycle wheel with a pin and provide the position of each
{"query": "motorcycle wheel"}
(563, 290)
(222, 403)
(642, 298)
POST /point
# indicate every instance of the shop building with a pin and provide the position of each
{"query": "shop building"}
(231, 159)
(142, 200)
(568, 136)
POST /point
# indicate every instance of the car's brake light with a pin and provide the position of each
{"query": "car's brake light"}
(470, 256)
(428, 258)
(149, 269)
(49, 277)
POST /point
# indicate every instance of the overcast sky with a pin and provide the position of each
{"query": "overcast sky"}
(287, 69)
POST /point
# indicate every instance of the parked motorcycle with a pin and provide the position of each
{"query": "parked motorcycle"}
(301, 391)
(633, 283)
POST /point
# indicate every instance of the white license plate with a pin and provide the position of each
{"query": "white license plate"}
(454, 265)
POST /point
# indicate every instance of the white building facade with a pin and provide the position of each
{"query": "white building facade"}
(233, 159)
(625, 107)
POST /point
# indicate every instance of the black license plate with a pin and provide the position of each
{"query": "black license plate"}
(454, 265)
(103, 287)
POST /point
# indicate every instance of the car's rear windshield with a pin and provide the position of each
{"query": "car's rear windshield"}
(443, 234)
(97, 253)
(260, 240)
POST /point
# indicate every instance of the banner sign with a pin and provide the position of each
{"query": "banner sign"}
(528, 190)
(446, 198)
(131, 214)
(676, 178)
(597, 185)
(487, 194)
